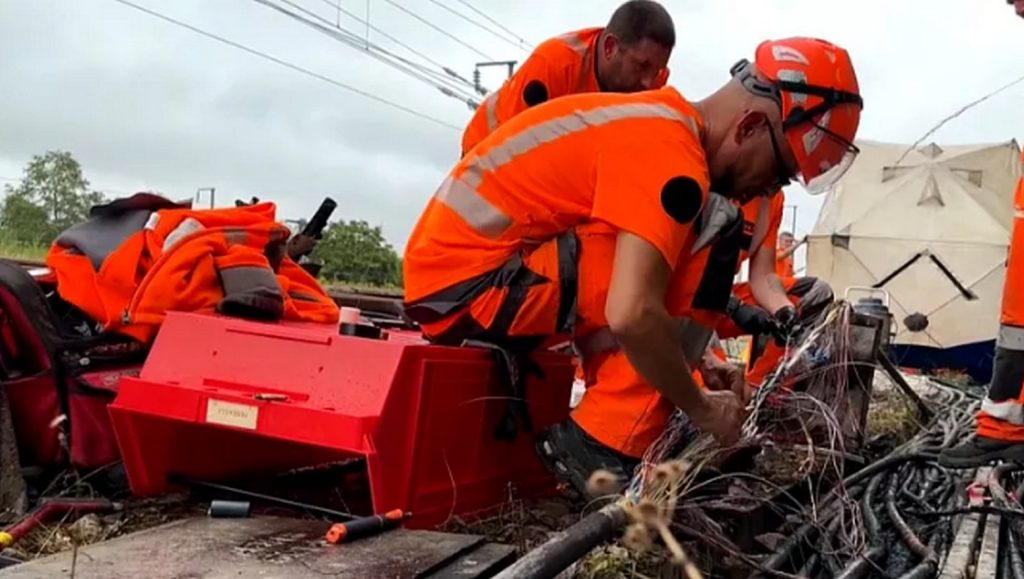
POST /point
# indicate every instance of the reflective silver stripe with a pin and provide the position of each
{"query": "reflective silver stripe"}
(693, 336)
(575, 43)
(187, 227)
(1010, 338)
(491, 111)
(1008, 411)
(717, 214)
(473, 208)
(553, 129)
(461, 193)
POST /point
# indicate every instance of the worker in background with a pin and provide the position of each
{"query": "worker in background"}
(773, 305)
(513, 249)
(1000, 431)
(784, 255)
(629, 54)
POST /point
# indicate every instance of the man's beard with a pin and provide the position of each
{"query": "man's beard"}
(724, 184)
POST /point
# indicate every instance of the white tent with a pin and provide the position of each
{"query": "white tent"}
(932, 231)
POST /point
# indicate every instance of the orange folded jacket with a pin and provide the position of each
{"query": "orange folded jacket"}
(140, 257)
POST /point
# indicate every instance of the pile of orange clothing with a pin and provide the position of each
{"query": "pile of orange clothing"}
(137, 258)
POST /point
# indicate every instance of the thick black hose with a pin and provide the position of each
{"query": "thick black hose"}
(926, 568)
(811, 567)
(806, 533)
(864, 564)
(909, 537)
(568, 546)
(868, 511)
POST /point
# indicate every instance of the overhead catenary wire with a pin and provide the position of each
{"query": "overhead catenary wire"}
(453, 85)
(290, 65)
(956, 114)
(518, 44)
(448, 71)
(446, 86)
(438, 28)
(494, 22)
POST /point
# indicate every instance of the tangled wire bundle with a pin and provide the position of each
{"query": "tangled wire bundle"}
(889, 519)
(677, 484)
(900, 504)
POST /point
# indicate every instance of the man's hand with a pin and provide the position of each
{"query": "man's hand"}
(751, 319)
(723, 376)
(786, 324)
(721, 416)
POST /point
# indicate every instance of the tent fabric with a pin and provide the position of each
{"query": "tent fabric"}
(932, 231)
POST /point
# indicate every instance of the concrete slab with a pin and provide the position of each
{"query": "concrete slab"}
(269, 547)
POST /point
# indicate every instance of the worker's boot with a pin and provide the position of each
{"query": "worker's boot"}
(979, 451)
(572, 456)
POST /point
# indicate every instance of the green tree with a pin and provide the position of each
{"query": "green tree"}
(52, 196)
(356, 252)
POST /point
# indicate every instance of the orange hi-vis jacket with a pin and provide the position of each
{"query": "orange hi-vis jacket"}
(559, 66)
(631, 161)
(140, 257)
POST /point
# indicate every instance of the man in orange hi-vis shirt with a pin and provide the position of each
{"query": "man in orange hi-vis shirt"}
(630, 54)
(773, 305)
(1000, 433)
(784, 255)
(591, 217)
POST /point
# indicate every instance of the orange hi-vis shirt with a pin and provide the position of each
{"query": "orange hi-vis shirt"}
(631, 161)
(762, 217)
(784, 267)
(559, 66)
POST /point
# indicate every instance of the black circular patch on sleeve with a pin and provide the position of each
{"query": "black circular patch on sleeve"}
(681, 198)
(535, 93)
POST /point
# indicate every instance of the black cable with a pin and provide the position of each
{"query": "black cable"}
(495, 22)
(287, 64)
(864, 564)
(445, 85)
(451, 73)
(1016, 559)
(437, 28)
(477, 24)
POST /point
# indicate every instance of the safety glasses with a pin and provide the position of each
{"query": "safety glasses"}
(807, 126)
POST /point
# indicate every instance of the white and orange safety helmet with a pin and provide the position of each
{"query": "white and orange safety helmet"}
(815, 86)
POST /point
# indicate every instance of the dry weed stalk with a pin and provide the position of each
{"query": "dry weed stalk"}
(665, 485)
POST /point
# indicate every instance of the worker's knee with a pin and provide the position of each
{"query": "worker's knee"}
(814, 294)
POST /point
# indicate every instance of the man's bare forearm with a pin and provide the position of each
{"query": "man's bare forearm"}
(764, 282)
(769, 292)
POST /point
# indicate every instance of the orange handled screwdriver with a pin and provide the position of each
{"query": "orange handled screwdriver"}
(365, 526)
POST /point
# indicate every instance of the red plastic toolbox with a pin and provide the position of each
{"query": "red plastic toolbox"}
(222, 397)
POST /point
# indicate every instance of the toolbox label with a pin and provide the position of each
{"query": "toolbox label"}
(231, 414)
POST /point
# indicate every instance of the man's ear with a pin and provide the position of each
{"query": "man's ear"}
(750, 123)
(610, 45)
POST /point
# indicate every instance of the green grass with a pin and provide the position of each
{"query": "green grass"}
(11, 249)
(344, 286)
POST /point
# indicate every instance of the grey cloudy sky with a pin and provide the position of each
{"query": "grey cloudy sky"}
(147, 105)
